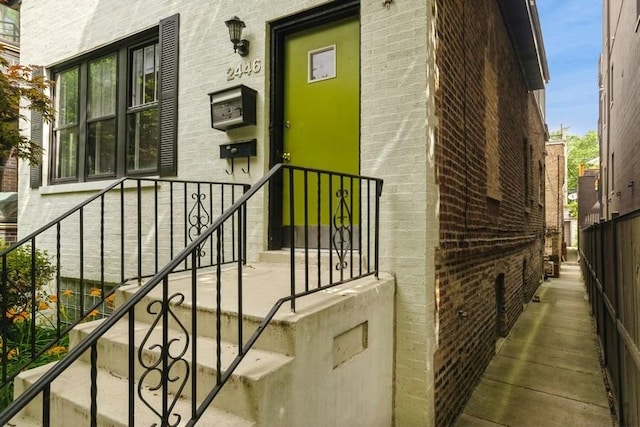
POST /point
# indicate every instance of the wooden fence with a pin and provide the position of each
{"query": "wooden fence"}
(610, 261)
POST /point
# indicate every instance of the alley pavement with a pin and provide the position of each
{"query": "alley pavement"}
(547, 371)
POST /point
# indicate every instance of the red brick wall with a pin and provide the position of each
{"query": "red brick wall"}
(10, 176)
(555, 171)
(491, 218)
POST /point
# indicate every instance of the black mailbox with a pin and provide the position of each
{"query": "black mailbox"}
(233, 107)
(234, 150)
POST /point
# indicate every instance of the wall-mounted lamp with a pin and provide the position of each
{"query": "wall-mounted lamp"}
(240, 45)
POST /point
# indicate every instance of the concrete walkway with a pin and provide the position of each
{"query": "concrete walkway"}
(547, 371)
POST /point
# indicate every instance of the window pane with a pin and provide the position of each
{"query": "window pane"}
(67, 98)
(66, 143)
(142, 137)
(102, 87)
(101, 148)
(144, 75)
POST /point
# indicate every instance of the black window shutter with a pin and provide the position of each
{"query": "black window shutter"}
(168, 103)
(36, 136)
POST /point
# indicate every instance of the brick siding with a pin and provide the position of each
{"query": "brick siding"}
(490, 216)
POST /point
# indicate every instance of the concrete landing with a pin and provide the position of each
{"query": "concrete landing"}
(547, 371)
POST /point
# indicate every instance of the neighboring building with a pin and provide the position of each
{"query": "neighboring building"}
(10, 50)
(589, 211)
(619, 108)
(443, 99)
(555, 195)
(489, 154)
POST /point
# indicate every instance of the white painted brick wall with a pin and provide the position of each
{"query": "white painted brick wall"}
(398, 81)
(397, 136)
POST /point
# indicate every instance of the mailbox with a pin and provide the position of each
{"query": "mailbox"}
(233, 107)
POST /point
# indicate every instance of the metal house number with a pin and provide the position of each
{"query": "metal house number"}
(244, 68)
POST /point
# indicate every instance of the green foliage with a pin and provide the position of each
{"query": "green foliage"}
(19, 273)
(18, 352)
(18, 344)
(572, 206)
(18, 82)
(580, 150)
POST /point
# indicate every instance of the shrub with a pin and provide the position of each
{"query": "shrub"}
(17, 342)
(18, 296)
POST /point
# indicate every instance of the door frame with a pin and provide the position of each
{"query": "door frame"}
(320, 15)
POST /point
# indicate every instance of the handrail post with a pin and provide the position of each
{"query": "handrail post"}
(139, 213)
(241, 216)
(376, 253)
(3, 307)
(292, 240)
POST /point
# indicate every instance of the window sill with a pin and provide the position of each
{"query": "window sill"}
(494, 195)
(92, 186)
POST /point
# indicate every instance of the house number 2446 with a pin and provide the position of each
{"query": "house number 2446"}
(244, 68)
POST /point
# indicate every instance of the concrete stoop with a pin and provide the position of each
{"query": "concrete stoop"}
(327, 363)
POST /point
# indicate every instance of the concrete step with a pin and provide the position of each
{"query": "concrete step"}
(247, 391)
(263, 284)
(70, 401)
(278, 336)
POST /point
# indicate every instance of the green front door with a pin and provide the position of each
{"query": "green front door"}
(321, 113)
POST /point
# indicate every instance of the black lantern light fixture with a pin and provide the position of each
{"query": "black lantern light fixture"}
(240, 45)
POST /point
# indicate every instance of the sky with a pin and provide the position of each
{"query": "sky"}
(572, 34)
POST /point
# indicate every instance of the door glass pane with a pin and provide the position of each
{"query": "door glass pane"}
(142, 137)
(66, 104)
(66, 143)
(102, 87)
(101, 148)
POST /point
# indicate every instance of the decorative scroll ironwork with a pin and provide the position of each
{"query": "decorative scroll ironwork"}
(157, 374)
(199, 219)
(342, 229)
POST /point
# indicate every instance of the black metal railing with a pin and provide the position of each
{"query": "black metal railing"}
(609, 261)
(67, 271)
(344, 207)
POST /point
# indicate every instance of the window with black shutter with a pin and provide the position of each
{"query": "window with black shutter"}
(116, 109)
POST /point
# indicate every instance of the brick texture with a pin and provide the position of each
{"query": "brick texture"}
(555, 166)
(10, 175)
(444, 118)
(619, 109)
(491, 219)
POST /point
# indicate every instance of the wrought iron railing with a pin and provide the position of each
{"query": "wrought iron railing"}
(85, 254)
(344, 207)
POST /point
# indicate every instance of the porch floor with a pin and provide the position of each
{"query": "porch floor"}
(266, 281)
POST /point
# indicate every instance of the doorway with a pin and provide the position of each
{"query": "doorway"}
(315, 115)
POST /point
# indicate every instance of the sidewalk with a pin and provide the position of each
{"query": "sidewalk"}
(547, 372)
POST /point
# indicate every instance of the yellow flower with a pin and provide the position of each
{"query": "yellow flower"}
(94, 313)
(95, 292)
(15, 316)
(56, 351)
(43, 305)
(12, 353)
(53, 298)
(67, 293)
(110, 301)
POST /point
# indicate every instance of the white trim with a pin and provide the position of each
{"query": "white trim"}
(93, 186)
